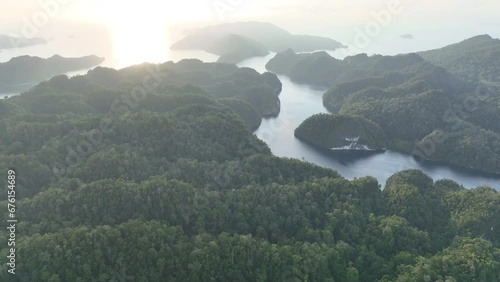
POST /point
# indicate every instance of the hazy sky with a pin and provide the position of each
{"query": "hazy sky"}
(425, 13)
(417, 12)
(433, 23)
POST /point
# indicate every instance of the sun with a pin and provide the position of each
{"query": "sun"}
(139, 39)
(138, 28)
(139, 32)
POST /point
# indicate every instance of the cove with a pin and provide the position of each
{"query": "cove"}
(298, 102)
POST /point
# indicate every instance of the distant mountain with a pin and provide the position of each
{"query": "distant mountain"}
(233, 49)
(20, 73)
(10, 42)
(474, 59)
(265, 35)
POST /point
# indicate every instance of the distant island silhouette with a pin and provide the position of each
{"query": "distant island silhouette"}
(12, 42)
(238, 41)
(21, 73)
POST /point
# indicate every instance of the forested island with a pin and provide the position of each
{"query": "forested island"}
(425, 110)
(342, 133)
(21, 73)
(235, 42)
(122, 178)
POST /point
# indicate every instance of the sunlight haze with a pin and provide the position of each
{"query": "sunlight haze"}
(143, 30)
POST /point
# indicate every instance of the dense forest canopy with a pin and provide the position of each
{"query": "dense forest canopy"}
(158, 88)
(337, 132)
(116, 183)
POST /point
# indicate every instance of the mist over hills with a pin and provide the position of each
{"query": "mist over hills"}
(249, 94)
(268, 35)
(12, 42)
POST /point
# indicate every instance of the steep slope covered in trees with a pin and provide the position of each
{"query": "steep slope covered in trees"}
(474, 59)
(102, 89)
